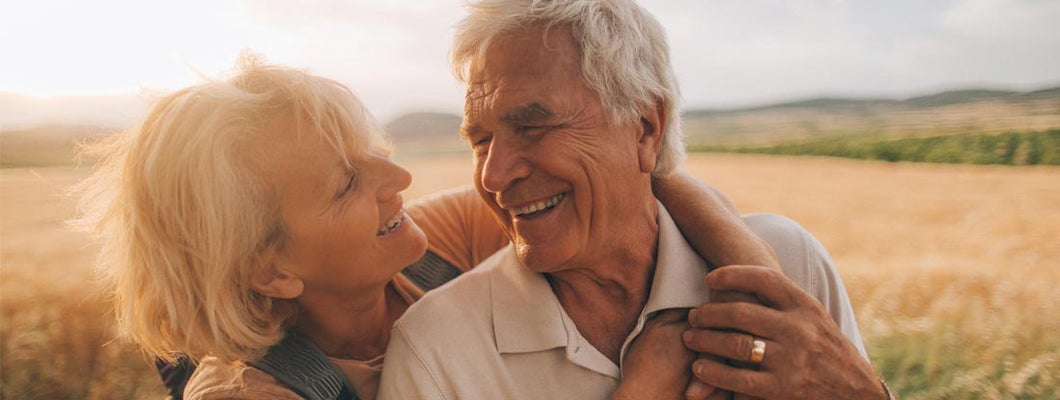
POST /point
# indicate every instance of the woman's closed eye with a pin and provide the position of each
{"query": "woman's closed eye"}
(350, 185)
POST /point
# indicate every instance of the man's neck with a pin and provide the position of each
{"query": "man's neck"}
(605, 300)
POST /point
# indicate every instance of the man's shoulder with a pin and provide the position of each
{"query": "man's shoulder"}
(802, 257)
(456, 304)
(805, 261)
(776, 228)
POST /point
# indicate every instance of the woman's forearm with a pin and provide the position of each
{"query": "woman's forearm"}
(711, 223)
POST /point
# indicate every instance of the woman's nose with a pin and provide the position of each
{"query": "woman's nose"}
(394, 178)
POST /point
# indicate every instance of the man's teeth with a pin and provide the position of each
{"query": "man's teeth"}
(393, 224)
(538, 206)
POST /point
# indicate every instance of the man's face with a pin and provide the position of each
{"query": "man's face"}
(565, 186)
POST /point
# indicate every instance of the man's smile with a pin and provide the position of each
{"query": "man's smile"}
(537, 208)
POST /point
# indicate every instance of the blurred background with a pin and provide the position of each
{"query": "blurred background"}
(920, 141)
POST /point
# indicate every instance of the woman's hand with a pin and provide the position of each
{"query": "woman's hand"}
(657, 365)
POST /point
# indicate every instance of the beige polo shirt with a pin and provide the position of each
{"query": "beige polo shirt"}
(499, 332)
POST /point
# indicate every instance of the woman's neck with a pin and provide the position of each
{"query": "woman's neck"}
(355, 328)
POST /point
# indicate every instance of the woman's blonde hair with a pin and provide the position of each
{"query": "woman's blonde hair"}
(188, 218)
(624, 55)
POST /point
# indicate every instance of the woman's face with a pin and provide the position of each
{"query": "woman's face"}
(347, 229)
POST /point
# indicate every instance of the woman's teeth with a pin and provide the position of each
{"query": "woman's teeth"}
(393, 224)
(539, 206)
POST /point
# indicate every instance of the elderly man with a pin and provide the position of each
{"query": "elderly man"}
(571, 108)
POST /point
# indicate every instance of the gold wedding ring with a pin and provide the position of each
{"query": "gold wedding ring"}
(758, 351)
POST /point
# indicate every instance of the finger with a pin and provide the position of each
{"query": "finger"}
(721, 376)
(755, 319)
(714, 393)
(669, 316)
(731, 345)
(731, 297)
(698, 390)
(771, 286)
(720, 395)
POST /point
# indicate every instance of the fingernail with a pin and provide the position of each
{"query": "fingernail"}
(687, 336)
(698, 366)
(693, 316)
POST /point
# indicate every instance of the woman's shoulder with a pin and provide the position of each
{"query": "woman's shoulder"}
(215, 380)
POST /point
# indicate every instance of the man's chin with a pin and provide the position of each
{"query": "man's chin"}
(539, 259)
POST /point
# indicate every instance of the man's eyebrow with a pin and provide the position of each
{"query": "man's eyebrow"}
(522, 115)
(527, 114)
(466, 130)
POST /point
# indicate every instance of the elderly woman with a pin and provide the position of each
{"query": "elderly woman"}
(245, 211)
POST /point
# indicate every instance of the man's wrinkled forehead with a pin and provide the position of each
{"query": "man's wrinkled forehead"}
(477, 90)
(534, 53)
(475, 103)
(538, 42)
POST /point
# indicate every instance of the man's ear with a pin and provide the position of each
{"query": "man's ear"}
(277, 281)
(652, 125)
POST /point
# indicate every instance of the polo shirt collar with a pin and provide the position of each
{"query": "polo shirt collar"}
(679, 271)
(527, 316)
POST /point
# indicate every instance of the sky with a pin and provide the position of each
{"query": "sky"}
(727, 53)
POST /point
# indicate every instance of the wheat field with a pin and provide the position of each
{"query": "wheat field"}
(950, 268)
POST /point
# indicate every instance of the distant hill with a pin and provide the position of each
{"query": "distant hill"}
(959, 97)
(418, 134)
(944, 113)
(949, 97)
(1043, 93)
(424, 133)
(45, 145)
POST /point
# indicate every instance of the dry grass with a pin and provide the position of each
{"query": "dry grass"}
(55, 331)
(949, 267)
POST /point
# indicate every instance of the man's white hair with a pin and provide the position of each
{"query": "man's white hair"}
(624, 56)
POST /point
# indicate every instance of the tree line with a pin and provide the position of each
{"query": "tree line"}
(1009, 148)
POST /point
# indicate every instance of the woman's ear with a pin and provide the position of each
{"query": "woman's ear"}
(652, 125)
(277, 281)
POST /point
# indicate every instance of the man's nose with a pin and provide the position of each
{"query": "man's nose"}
(505, 164)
